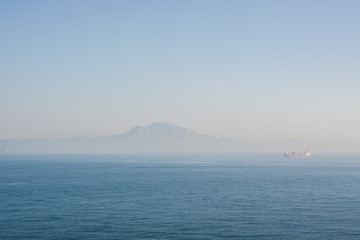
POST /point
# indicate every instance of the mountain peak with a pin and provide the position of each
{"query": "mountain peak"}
(159, 130)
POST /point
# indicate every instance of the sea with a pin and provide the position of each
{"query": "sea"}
(233, 196)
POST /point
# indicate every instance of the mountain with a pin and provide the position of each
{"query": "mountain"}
(154, 138)
(166, 138)
(160, 131)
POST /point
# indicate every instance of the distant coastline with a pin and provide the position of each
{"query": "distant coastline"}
(164, 138)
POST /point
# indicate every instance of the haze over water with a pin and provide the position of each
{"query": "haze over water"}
(255, 70)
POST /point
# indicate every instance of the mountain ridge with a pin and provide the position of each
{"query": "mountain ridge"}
(156, 137)
(164, 137)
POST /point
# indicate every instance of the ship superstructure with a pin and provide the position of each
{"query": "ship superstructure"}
(297, 154)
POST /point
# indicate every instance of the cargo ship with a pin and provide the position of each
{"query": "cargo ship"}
(297, 154)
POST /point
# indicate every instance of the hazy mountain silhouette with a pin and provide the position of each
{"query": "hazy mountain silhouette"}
(165, 138)
(154, 138)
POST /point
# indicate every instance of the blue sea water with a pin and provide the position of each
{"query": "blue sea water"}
(179, 197)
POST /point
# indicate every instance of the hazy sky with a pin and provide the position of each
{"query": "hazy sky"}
(252, 69)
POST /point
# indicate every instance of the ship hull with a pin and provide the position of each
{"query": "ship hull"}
(297, 154)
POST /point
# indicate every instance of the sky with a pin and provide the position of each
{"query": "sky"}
(255, 70)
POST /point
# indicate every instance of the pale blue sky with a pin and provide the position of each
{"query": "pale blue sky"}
(255, 70)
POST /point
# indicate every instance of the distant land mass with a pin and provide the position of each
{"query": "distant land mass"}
(160, 138)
